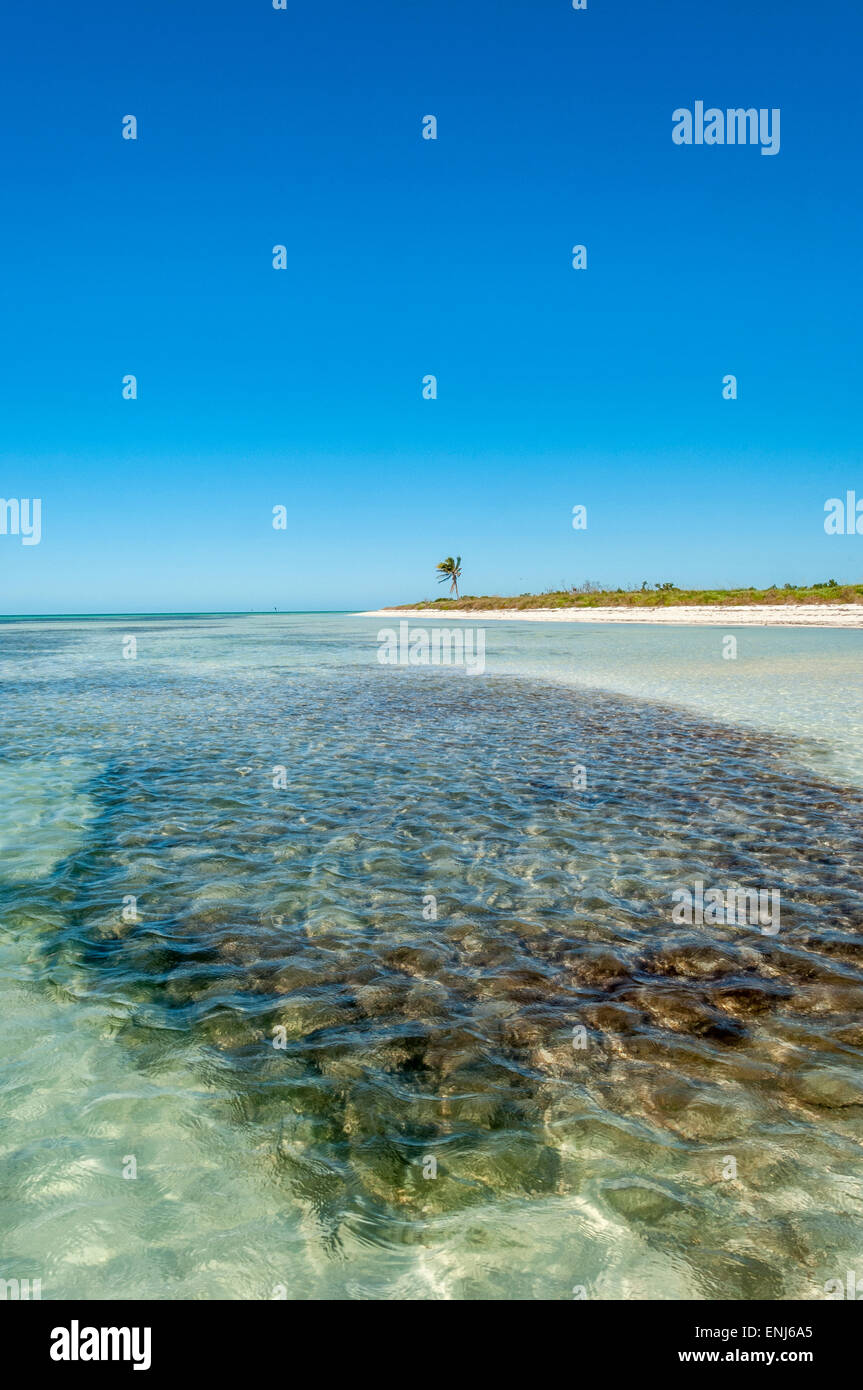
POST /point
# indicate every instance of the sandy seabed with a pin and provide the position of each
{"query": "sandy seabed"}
(779, 615)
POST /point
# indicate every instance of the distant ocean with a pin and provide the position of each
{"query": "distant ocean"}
(321, 978)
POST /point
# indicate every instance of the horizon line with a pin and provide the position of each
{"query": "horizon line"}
(187, 613)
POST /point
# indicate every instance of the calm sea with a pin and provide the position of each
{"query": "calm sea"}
(321, 978)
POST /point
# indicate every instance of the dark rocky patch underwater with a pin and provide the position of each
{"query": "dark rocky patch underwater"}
(430, 913)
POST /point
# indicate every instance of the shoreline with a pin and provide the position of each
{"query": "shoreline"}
(846, 615)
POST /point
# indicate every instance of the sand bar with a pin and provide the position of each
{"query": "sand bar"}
(748, 615)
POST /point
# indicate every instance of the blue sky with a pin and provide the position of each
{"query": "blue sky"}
(406, 257)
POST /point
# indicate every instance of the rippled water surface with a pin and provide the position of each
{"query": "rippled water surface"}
(503, 1070)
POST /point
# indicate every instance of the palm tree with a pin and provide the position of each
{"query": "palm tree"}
(450, 569)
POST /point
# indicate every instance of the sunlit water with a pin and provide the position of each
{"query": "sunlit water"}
(427, 913)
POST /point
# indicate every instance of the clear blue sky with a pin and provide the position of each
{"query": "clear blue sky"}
(260, 387)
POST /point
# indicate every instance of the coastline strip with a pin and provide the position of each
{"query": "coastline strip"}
(848, 615)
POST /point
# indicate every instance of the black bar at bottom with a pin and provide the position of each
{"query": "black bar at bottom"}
(619, 1338)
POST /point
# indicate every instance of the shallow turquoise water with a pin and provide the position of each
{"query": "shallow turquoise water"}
(415, 1041)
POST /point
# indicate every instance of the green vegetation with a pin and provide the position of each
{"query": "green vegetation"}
(654, 596)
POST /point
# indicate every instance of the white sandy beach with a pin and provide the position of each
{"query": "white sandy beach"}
(779, 615)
